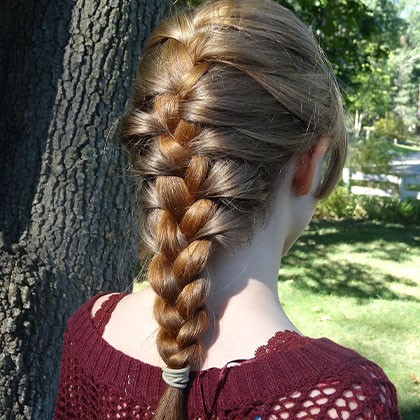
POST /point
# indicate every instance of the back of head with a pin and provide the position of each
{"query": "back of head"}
(225, 96)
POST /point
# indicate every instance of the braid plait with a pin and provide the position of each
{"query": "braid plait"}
(175, 272)
(223, 99)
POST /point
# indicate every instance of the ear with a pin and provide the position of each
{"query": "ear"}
(307, 165)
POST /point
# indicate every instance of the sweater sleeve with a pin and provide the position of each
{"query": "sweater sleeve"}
(379, 392)
(359, 392)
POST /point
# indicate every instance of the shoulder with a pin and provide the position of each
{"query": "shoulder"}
(364, 390)
(125, 307)
(132, 302)
(98, 300)
(357, 385)
(349, 362)
(320, 379)
(87, 307)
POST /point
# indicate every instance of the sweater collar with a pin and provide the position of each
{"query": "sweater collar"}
(253, 379)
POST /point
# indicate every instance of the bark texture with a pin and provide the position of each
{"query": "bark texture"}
(68, 219)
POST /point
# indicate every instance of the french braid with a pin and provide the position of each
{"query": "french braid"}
(219, 109)
(176, 270)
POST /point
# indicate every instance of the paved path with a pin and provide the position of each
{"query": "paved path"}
(408, 165)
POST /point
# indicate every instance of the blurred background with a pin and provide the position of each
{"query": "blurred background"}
(68, 215)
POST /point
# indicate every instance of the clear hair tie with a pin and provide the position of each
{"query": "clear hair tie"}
(178, 378)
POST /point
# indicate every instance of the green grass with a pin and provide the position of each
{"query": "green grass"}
(413, 140)
(403, 148)
(357, 282)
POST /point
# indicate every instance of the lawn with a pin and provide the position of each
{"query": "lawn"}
(357, 283)
(404, 149)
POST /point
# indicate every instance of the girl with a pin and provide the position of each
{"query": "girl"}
(236, 131)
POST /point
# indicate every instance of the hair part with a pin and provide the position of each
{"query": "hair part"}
(225, 95)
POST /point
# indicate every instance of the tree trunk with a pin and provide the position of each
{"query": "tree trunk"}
(68, 218)
(358, 122)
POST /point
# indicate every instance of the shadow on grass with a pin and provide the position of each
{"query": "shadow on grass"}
(410, 413)
(328, 275)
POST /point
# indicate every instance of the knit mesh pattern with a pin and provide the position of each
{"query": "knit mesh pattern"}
(290, 377)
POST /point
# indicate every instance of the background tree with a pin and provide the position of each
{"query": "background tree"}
(406, 62)
(371, 94)
(371, 89)
(67, 212)
(353, 33)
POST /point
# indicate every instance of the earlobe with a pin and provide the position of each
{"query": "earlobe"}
(307, 165)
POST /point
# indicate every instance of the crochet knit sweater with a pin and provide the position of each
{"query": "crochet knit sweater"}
(290, 377)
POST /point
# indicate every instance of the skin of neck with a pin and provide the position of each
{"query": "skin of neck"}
(244, 299)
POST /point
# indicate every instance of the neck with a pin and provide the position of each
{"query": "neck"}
(244, 302)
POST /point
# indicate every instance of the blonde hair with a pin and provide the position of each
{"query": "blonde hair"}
(224, 96)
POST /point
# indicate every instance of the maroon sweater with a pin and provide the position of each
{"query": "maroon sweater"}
(290, 377)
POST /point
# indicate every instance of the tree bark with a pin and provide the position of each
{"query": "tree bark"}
(68, 216)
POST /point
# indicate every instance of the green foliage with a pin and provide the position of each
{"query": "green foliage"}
(407, 69)
(372, 89)
(391, 209)
(342, 204)
(406, 61)
(391, 127)
(370, 155)
(350, 32)
(339, 205)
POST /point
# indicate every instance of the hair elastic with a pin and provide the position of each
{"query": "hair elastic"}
(178, 378)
